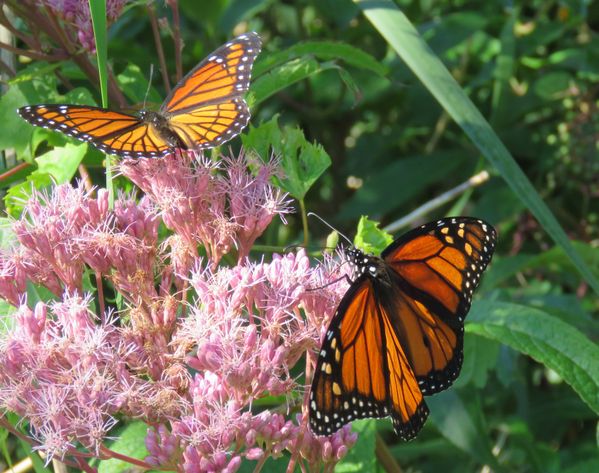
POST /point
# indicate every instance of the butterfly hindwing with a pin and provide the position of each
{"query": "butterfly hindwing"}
(211, 125)
(362, 370)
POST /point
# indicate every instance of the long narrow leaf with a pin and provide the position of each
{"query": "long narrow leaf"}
(97, 10)
(395, 27)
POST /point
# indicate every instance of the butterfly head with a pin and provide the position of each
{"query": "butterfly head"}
(363, 263)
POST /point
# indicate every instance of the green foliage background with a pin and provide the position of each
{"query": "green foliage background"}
(356, 100)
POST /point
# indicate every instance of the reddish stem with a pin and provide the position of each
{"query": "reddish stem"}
(159, 49)
(174, 4)
(107, 453)
(14, 170)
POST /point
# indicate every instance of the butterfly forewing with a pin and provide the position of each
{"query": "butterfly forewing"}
(222, 75)
(398, 331)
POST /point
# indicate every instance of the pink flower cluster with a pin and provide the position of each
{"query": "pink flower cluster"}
(76, 13)
(183, 343)
(219, 211)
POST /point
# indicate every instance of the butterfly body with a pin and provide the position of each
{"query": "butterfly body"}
(161, 127)
(205, 109)
(398, 331)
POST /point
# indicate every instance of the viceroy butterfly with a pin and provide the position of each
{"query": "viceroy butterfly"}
(398, 332)
(204, 110)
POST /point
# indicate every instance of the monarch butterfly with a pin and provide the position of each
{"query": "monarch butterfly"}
(205, 109)
(398, 332)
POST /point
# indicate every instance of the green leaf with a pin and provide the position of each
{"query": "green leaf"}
(361, 457)
(62, 163)
(4, 438)
(37, 293)
(97, 10)
(548, 340)
(554, 260)
(38, 464)
(480, 357)
(272, 465)
(370, 238)
(583, 466)
(131, 442)
(236, 12)
(325, 50)
(465, 431)
(7, 320)
(302, 162)
(280, 70)
(7, 235)
(134, 84)
(17, 195)
(552, 86)
(19, 137)
(282, 77)
(395, 27)
(503, 72)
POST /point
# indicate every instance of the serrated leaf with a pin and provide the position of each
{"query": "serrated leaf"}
(302, 162)
(370, 238)
(547, 339)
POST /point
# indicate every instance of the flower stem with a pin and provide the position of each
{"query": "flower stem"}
(304, 221)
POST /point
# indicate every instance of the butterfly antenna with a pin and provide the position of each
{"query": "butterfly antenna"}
(312, 214)
(149, 85)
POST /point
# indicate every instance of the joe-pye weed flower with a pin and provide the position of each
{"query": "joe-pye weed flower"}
(194, 342)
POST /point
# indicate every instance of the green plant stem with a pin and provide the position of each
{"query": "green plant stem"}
(385, 457)
(304, 221)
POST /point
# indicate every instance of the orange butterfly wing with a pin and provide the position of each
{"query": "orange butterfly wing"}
(111, 132)
(398, 332)
(362, 370)
(438, 267)
(207, 107)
